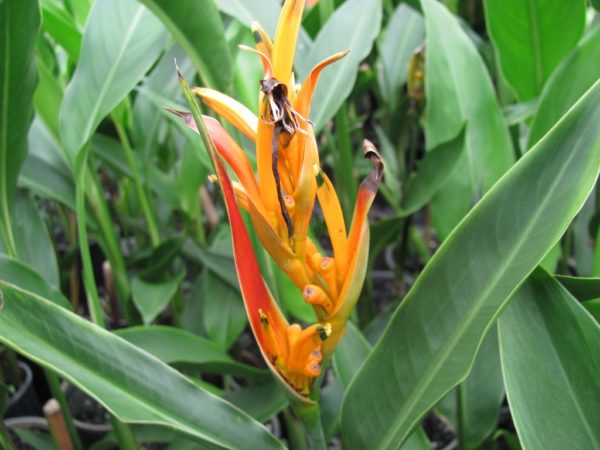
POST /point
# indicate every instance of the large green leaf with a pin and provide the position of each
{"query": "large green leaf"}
(179, 347)
(430, 342)
(353, 26)
(403, 34)
(60, 24)
(19, 23)
(122, 39)
(198, 28)
(529, 45)
(473, 407)
(458, 90)
(129, 382)
(34, 245)
(19, 274)
(550, 360)
(572, 78)
(45, 171)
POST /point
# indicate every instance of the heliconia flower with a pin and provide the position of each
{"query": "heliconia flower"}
(280, 203)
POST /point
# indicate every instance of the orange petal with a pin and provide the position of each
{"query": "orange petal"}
(231, 110)
(334, 218)
(286, 37)
(266, 61)
(262, 40)
(304, 196)
(304, 98)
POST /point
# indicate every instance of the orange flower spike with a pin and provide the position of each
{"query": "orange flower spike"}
(231, 110)
(304, 97)
(292, 353)
(334, 218)
(286, 36)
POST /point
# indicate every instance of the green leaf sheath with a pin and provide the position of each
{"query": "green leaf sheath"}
(19, 23)
(131, 384)
(550, 360)
(430, 342)
(527, 39)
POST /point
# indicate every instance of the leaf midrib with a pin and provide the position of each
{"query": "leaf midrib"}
(111, 74)
(455, 337)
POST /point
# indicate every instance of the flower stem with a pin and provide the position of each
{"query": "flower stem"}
(311, 418)
(141, 193)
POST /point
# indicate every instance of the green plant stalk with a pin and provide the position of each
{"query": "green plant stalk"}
(59, 396)
(97, 203)
(296, 437)
(310, 415)
(122, 431)
(137, 181)
(344, 160)
(5, 441)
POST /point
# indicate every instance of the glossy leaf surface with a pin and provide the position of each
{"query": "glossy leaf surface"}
(122, 39)
(459, 90)
(197, 27)
(130, 383)
(525, 35)
(550, 360)
(430, 342)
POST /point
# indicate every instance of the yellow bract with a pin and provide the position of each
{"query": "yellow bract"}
(280, 201)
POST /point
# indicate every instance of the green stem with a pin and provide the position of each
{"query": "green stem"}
(59, 396)
(122, 431)
(137, 181)
(311, 417)
(5, 441)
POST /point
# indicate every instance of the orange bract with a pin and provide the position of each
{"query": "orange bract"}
(280, 202)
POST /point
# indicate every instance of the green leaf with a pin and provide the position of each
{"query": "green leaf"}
(122, 39)
(261, 401)
(131, 384)
(550, 360)
(151, 298)
(524, 33)
(571, 79)
(19, 274)
(19, 23)
(46, 171)
(593, 307)
(353, 26)
(403, 34)
(34, 245)
(265, 12)
(223, 310)
(473, 407)
(350, 353)
(181, 348)
(48, 97)
(458, 91)
(435, 169)
(582, 288)
(199, 30)
(59, 24)
(430, 342)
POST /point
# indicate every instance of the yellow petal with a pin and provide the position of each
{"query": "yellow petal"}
(266, 61)
(304, 98)
(231, 110)
(262, 40)
(286, 37)
(334, 219)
